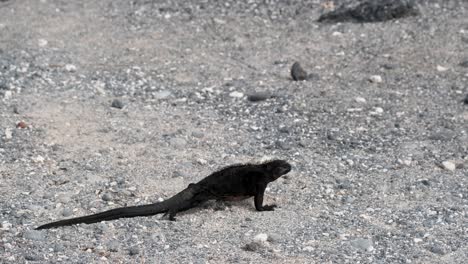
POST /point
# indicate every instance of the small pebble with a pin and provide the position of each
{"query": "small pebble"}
(162, 94)
(8, 133)
(67, 212)
(117, 104)
(375, 79)
(113, 246)
(464, 64)
(134, 251)
(363, 244)
(361, 100)
(42, 42)
(448, 165)
(34, 235)
(32, 257)
(178, 143)
(297, 72)
(21, 125)
(58, 247)
(107, 197)
(252, 247)
(198, 134)
(308, 249)
(441, 68)
(260, 238)
(257, 97)
(236, 94)
(70, 68)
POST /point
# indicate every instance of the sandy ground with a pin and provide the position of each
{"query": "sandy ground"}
(380, 163)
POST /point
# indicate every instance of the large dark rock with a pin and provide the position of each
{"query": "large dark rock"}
(371, 11)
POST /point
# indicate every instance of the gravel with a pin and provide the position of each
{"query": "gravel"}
(206, 84)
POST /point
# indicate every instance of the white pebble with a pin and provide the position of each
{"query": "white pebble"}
(441, 68)
(308, 249)
(8, 133)
(236, 94)
(38, 159)
(8, 95)
(260, 238)
(360, 99)
(42, 42)
(448, 165)
(70, 68)
(376, 79)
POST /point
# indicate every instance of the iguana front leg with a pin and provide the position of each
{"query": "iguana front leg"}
(259, 200)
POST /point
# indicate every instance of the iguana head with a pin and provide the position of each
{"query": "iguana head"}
(277, 168)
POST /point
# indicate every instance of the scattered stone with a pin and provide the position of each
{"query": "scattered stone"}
(369, 11)
(273, 237)
(177, 142)
(437, 249)
(34, 235)
(464, 63)
(162, 94)
(361, 100)
(441, 68)
(448, 165)
(198, 134)
(42, 42)
(297, 72)
(107, 197)
(67, 212)
(117, 104)
(8, 133)
(260, 238)
(308, 249)
(377, 111)
(58, 247)
(64, 198)
(236, 94)
(443, 134)
(7, 95)
(375, 79)
(21, 125)
(260, 96)
(363, 244)
(387, 66)
(134, 251)
(38, 159)
(32, 257)
(113, 246)
(70, 68)
(252, 246)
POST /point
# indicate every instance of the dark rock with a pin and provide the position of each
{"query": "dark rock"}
(466, 100)
(387, 66)
(31, 257)
(464, 63)
(297, 72)
(117, 104)
(256, 97)
(134, 251)
(371, 11)
(252, 247)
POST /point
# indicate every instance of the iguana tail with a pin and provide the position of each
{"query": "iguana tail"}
(180, 200)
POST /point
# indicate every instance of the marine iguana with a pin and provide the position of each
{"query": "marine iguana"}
(233, 182)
